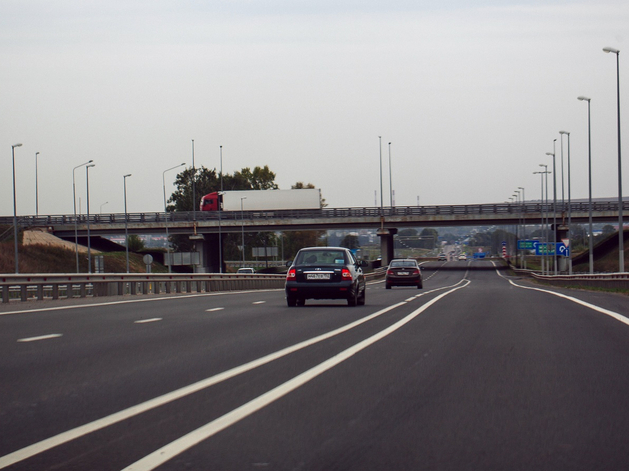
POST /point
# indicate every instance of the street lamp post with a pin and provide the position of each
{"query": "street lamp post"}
(517, 226)
(390, 178)
(546, 172)
(76, 236)
(89, 242)
(381, 195)
(621, 251)
(591, 241)
(219, 209)
(554, 207)
(17, 270)
(194, 187)
(165, 212)
(36, 187)
(242, 219)
(569, 199)
(126, 219)
(541, 207)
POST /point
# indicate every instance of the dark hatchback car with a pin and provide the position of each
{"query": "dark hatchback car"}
(403, 272)
(325, 273)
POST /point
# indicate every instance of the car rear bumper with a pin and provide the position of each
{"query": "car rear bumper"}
(406, 281)
(319, 290)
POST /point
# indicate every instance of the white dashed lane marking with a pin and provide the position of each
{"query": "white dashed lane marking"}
(41, 337)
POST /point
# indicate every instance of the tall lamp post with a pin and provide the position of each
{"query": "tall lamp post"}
(242, 219)
(523, 212)
(165, 212)
(17, 270)
(569, 198)
(36, 187)
(126, 220)
(219, 209)
(89, 242)
(541, 207)
(517, 226)
(381, 195)
(76, 236)
(390, 178)
(621, 250)
(546, 172)
(591, 244)
(554, 207)
(194, 187)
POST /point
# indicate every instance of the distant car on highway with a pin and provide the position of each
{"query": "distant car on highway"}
(463, 257)
(325, 273)
(403, 272)
(245, 270)
(442, 257)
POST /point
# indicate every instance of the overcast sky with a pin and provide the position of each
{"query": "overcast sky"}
(471, 96)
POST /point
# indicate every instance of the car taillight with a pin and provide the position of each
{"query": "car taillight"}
(291, 275)
(346, 274)
(389, 272)
(416, 272)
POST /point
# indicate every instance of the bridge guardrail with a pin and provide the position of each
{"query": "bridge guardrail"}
(443, 210)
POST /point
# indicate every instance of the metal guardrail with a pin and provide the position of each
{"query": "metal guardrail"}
(602, 281)
(517, 210)
(60, 286)
(63, 286)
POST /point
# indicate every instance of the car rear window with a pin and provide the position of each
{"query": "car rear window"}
(403, 263)
(321, 257)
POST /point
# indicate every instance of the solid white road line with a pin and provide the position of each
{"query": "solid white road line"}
(146, 321)
(166, 453)
(41, 337)
(214, 309)
(602, 310)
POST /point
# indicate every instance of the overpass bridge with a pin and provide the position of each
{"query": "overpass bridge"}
(207, 225)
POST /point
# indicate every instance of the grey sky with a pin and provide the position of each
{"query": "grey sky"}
(470, 94)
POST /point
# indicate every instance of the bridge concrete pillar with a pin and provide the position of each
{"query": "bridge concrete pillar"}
(387, 244)
(209, 254)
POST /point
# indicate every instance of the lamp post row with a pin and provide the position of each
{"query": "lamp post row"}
(621, 254)
(89, 164)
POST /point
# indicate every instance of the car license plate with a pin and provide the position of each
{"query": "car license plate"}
(402, 273)
(317, 276)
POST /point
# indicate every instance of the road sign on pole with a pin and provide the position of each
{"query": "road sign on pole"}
(562, 249)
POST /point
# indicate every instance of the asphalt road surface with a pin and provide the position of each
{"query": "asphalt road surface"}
(480, 370)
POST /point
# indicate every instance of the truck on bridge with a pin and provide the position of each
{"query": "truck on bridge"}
(262, 200)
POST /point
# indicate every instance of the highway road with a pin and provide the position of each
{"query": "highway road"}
(479, 370)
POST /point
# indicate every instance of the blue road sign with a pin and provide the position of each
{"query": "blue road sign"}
(563, 250)
(549, 249)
